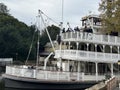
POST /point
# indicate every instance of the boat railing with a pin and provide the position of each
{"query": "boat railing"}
(19, 71)
(91, 37)
(87, 55)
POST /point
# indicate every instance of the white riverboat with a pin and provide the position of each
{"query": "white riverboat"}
(85, 56)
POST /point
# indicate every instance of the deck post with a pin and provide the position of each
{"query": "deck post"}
(95, 50)
(87, 46)
(111, 51)
(34, 74)
(69, 46)
(118, 51)
(111, 69)
(68, 70)
(104, 51)
(78, 77)
(77, 44)
(96, 67)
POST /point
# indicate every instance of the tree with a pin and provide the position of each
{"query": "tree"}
(3, 8)
(110, 13)
(15, 38)
(53, 31)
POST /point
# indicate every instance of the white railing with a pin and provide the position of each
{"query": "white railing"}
(91, 37)
(44, 75)
(87, 56)
(6, 59)
(50, 75)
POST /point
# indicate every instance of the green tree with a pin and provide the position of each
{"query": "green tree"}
(3, 8)
(53, 31)
(15, 38)
(110, 13)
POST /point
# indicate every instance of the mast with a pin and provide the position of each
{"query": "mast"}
(62, 18)
(61, 26)
(38, 40)
(40, 13)
(62, 10)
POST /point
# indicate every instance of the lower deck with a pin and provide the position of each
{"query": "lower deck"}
(24, 71)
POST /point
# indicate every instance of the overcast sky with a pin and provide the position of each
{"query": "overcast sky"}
(26, 10)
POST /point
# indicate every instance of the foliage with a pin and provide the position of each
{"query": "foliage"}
(53, 31)
(3, 8)
(110, 13)
(15, 38)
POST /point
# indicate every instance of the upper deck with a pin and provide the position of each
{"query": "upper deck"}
(91, 38)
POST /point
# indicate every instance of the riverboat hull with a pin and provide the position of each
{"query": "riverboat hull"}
(35, 84)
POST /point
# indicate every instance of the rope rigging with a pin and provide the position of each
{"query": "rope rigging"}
(30, 47)
(37, 28)
(50, 18)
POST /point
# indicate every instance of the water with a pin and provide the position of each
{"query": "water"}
(2, 86)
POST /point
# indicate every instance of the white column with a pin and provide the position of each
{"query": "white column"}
(78, 70)
(64, 45)
(87, 46)
(118, 51)
(111, 63)
(60, 56)
(95, 50)
(95, 47)
(77, 44)
(104, 50)
(111, 69)
(68, 70)
(68, 65)
(77, 36)
(111, 51)
(96, 69)
(69, 46)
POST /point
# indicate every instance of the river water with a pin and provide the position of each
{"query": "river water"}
(3, 88)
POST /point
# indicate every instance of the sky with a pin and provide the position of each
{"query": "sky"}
(73, 10)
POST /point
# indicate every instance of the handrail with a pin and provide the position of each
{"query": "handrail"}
(48, 75)
(41, 74)
(91, 37)
(88, 56)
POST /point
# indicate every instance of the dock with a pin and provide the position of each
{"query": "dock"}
(110, 84)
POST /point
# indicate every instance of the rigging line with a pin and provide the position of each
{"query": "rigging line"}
(47, 30)
(38, 43)
(62, 10)
(50, 18)
(30, 48)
